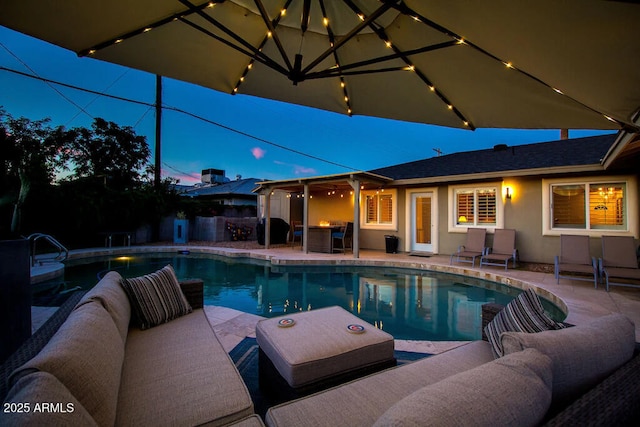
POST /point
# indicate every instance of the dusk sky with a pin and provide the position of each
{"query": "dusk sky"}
(274, 140)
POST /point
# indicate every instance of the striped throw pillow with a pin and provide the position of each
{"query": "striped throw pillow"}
(524, 314)
(156, 298)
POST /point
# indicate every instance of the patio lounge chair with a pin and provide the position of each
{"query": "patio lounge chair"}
(619, 260)
(344, 238)
(503, 250)
(575, 258)
(473, 247)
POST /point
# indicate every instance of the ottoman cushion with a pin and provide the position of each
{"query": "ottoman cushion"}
(319, 346)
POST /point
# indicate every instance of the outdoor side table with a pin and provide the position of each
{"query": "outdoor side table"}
(319, 351)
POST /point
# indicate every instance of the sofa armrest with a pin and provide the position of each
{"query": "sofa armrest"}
(489, 311)
(37, 341)
(193, 290)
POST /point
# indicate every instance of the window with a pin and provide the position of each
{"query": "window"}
(379, 210)
(589, 206)
(475, 207)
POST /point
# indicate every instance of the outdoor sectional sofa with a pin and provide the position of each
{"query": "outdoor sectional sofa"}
(582, 375)
(99, 370)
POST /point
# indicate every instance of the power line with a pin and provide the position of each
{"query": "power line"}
(49, 83)
(178, 110)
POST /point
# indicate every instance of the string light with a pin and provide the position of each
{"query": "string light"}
(508, 64)
(283, 12)
(325, 21)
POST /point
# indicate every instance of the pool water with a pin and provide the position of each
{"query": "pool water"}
(409, 304)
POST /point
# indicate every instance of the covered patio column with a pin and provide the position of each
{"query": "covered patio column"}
(305, 219)
(355, 244)
(267, 222)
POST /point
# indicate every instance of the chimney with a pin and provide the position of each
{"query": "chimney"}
(564, 133)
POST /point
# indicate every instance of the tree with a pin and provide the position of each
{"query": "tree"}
(31, 153)
(111, 152)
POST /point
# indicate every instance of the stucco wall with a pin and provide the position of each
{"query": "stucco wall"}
(330, 208)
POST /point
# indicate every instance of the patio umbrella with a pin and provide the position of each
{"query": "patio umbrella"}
(456, 63)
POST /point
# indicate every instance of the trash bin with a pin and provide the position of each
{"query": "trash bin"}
(391, 242)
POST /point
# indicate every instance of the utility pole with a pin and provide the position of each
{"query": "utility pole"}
(438, 151)
(158, 158)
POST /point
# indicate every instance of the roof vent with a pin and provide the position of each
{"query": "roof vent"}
(500, 147)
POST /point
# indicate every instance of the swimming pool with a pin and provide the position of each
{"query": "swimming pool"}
(409, 304)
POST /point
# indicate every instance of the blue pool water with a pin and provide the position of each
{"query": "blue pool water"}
(409, 304)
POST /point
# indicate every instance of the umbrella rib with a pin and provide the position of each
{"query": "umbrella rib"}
(332, 41)
(366, 23)
(331, 72)
(254, 53)
(410, 12)
(274, 34)
(194, 9)
(227, 31)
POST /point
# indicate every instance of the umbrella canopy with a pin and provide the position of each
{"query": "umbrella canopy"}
(502, 63)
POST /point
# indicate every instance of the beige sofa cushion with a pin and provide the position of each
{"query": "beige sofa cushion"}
(363, 401)
(85, 355)
(37, 390)
(582, 355)
(179, 374)
(512, 391)
(110, 294)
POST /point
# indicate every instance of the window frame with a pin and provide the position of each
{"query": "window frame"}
(630, 207)
(454, 227)
(393, 225)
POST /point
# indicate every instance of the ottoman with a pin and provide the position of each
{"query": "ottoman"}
(318, 350)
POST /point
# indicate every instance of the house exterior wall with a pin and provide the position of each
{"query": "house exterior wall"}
(523, 212)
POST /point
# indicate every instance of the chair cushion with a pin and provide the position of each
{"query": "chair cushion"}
(524, 314)
(514, 390)
(37, 390)
(582, 355)
(156, 298)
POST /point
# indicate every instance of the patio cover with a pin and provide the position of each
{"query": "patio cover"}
(350, 181)
(499, 63)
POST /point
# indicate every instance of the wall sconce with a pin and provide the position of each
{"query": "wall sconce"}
(507, 193)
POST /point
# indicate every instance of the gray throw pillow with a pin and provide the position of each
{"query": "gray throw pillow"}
(524, 314)
(156, 298)
(514, 390)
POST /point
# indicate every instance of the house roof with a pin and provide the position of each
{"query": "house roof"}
(240, 187)
(588, 151)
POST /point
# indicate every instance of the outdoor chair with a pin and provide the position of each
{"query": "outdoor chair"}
(503, 249)
(473, 247)
(575, 258)
(619, 260)
(344, 238)
(296, 233)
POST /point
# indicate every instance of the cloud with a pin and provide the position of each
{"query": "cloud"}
(303, 170)
(258, 152)
(297, 169)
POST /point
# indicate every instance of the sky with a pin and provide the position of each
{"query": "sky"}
(242, 135)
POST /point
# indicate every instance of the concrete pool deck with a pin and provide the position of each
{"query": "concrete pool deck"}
(580, 299)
